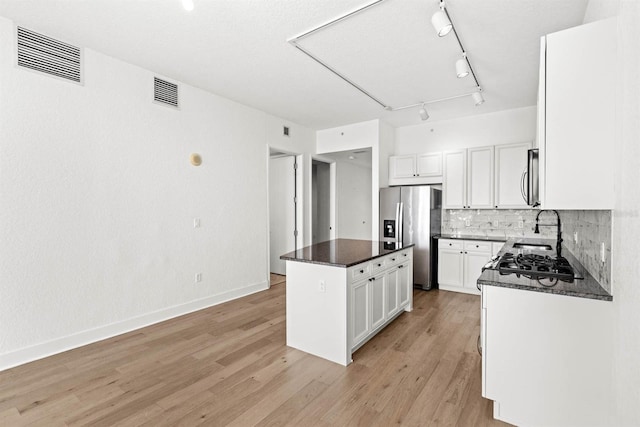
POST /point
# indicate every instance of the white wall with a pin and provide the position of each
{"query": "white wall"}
(353, 194)
(502, 127)
(98, 199)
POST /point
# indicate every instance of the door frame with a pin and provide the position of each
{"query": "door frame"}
(299, 219)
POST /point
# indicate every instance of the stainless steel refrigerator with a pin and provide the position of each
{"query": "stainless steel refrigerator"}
(412, 214)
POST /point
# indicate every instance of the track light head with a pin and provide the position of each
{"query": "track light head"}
(462, 68)
(441, 22)
(477, 98)
(423, 113)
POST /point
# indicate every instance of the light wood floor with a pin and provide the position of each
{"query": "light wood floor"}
(228, 365)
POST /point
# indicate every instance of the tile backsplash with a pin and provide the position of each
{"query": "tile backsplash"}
(592, 228)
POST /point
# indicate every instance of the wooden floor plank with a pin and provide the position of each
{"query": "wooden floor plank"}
(229, 365)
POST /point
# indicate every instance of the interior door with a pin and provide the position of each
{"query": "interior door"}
(282, 210)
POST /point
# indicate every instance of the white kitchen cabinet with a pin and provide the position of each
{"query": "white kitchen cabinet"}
(405, 286)
(377, 290)
(542, 350)
(412, 169)
(576, 117)
(454, 179)
(460, 264)
(360, 311)
(476, 255)
(450, 263)
(480, 178)
(380, 290)
(510, 175)
(392, 303)
(402, 166)
(468, 178)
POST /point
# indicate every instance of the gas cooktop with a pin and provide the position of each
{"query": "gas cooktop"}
(536, 267)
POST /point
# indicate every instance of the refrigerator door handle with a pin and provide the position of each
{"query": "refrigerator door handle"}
(399, 221)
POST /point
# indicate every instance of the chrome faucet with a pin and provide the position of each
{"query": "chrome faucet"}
(559, 225)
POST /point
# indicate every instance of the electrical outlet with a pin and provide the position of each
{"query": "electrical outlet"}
(467, 222)
(198, 278)
(196, 222)
(603, 253)
(322, 287)
(520, 224)
(496, 223)
(575, 237)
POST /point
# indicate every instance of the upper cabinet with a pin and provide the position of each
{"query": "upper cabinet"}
(510, 175)
(468, 179)
(415, 169)
(576, 117)
(485, 177)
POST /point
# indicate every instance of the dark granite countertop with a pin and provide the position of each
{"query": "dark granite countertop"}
(471, 237)
(343, 252)
(584, 286)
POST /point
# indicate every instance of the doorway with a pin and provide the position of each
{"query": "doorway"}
(282, 209)
(320, 201)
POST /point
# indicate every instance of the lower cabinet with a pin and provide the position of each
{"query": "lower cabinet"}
(546, 358)
(360, 320)
(379, 297)
(460, 263)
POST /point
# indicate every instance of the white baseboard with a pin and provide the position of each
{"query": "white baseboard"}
(58, 345)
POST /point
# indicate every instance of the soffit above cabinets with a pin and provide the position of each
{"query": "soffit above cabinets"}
(238, 49)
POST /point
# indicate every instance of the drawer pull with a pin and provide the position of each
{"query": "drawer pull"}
(379, 265)
(393, 259)
(361, 271)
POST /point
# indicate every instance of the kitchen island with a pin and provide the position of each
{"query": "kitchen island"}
(342, 292)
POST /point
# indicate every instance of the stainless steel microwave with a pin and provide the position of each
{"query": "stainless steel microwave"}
(531, 190)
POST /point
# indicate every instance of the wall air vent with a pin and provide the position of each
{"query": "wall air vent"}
(165, 92)
(41, 53)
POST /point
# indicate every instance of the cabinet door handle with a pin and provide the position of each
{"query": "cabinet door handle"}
(461, 252)
(400, 266)
(523, 190)
(372, 279)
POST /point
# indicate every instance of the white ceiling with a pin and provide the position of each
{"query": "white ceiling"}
(238, 49)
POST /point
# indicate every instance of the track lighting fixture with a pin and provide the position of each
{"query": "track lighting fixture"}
(441, 22)
(423, 113)
(462, 67)
(477, 97)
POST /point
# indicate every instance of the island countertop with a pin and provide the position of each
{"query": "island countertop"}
(343, 252)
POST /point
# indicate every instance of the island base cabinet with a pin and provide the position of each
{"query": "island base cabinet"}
(332, 311)
(546, 358)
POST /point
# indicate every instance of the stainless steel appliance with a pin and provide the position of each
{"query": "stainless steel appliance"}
(530, 181)
(412, 215)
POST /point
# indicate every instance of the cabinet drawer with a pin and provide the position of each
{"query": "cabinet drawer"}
(477, 246)
(450, 244)
(378, 265)
(361, 271)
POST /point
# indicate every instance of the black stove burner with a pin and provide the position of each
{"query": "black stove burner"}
(535, 266)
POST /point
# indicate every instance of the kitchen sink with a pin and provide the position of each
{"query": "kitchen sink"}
(533, 246)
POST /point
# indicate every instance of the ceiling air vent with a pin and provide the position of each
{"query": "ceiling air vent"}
(165, 92)
(41, 53)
